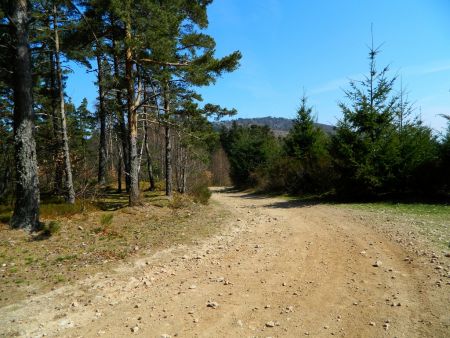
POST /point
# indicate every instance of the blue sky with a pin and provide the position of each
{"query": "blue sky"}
(293, 45)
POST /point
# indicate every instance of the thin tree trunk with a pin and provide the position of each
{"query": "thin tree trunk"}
(168, 160)
(56, 128)
(183, 171)
(168, 142)
(151, 176)
(134, 198)
(26, 209)
(147, 150)
(70, 192)
(102, 153)
(119, 169)
(121, 118)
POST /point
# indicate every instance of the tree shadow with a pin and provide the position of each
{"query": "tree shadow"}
(296, 203)
(41, 236)
(112, 201)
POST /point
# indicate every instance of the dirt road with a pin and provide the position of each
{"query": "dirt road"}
(276, 270)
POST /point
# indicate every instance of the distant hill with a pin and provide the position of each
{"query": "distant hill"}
(279, 125)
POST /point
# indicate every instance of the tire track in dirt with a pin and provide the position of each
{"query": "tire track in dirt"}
(278, 269)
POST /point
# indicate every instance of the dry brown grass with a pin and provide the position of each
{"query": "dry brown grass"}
(94, 240)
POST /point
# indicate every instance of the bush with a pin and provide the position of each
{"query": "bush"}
(179, 201)
(51, 228)
(201, 194)
(199, 189)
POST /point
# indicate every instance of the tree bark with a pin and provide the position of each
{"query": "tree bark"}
(26, 209)
(56, 128)
(151, 177)
(121, 118)
(168, 161)
(102, 153)
(70, 192)
(134, 195)
(119, 169)
(168, 142)
(184, 160)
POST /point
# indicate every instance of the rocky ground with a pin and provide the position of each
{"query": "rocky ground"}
(277, 269)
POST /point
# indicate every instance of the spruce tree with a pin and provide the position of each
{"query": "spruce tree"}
(365, 148)
(306, 146)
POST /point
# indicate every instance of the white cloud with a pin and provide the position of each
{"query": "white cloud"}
(333, 85)
(429, 68)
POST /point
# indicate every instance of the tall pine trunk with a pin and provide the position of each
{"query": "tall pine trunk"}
(102, 153)
(121, 118)
(26, 209)
(168, 142)
(56, 129)
(70, 192)
(134, 196)
(168, 161)
(151, 177)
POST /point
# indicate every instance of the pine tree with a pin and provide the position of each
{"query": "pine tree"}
(306, 146)
(26, 210)
(365, 145)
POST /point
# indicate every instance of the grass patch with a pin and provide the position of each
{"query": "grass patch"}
(65, 258)
(30, 260)
(434, 210)
(92, 241)
(106, 219)
(431, 221)
(52, 210)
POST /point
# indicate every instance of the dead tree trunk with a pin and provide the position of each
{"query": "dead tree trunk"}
(70, 192)
(102, 153)
(26, 209)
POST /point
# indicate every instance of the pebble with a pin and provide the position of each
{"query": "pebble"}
(135, 329)
(165, 335)
(372, 323)
(193, 286)
(377, 264)
(270, 324)
(213, 305)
